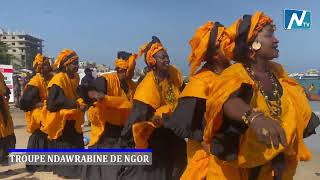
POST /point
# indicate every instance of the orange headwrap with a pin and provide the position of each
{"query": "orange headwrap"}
(155, 47)
(129, 64)
(66, 57)
(126, 64)
(228, 47)
(200, 43)
(258, 21)
(38, 61)
(121, 64)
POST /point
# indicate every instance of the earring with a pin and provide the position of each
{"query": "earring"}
(153, 67)
(256, 45)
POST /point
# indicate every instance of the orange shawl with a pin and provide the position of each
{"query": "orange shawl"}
(114, 108)
(148, 93)
(201, 85)
(296, 113)
(114, 88)
(107, 110)
(37, 115)
(56, 120)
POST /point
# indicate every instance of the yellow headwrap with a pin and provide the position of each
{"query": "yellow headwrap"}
(66, 57)
(258, 21)
(38, 61)
(155, 47)
(200, 42)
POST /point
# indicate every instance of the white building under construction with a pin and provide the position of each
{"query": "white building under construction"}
(22, 46)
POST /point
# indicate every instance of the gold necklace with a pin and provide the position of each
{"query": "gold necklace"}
(274, 108)
(170, 96)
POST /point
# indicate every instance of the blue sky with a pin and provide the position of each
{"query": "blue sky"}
(97, 29)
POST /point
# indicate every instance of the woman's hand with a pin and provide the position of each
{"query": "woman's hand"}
(269, 132)
(157, 121)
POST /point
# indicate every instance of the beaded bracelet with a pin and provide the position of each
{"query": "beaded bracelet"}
(255, 117)
(247, 114)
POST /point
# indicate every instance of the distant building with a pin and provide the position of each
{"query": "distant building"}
(86, 64)
(101, 68)
(23, 47)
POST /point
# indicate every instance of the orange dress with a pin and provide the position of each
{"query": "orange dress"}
(37, 116)
(201, 85)
(295, 116)
(113, 109)
(6, 128)
(55, 121)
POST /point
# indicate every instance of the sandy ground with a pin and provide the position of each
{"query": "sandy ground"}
(308, 171)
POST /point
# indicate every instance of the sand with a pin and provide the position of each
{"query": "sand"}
(306, 170)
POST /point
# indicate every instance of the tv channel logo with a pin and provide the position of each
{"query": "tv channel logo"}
(297, 19)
